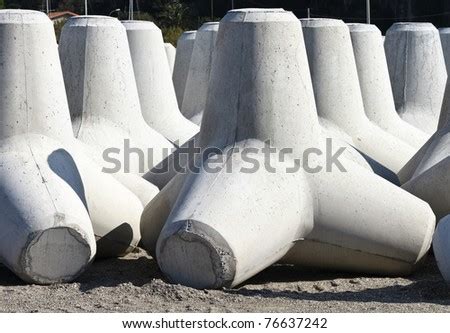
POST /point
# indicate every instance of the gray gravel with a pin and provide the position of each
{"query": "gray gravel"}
(135, 284)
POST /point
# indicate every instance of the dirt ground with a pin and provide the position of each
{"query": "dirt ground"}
(135, 284)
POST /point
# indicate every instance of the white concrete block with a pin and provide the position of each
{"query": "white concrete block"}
(185, 45)
(338, 94)
(171, 53)
(35, 111)
(101, 90)
(213, 235)
(154, 82)
(376, 87)
(196, 89)
(417, 72)
(46, 233)
(441, 247)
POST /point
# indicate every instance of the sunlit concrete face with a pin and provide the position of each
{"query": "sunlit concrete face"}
(338, 96)
(171, 53)
(101, 87)
(46, 233)
(375, 85)
(154, 83)
(417, 72)
(224, 227)
(61, 193)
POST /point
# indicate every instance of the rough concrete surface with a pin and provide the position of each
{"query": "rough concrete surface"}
(135, 284)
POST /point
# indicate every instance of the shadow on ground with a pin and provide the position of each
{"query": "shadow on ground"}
(427, 286)
(138, 276)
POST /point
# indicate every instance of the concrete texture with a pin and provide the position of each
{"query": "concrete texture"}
(355, 228)
(101, 89)
(185, 45)
(36, 123)
(154, 82)
(375, 85)
(338, 94)
(417, 71)
(46, 232)
(171, 53)
(444, 34)
(196, 89)
(426, 175)
(441, 247)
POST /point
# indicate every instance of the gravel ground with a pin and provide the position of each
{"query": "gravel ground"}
(135, 284)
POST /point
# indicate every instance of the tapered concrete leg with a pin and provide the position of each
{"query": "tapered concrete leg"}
(441, 247)
(102, 94)
(444, 34)
(199, 245)
(417, 71)
(171, 52)
(196, 89)
(375, 85)
(338, 94)
(46, 233)
(434, 149)
(154, 83)
(426, 175)
(179, 161)
(373, 237)
(185, 45)
(36, 81)
(116, 226)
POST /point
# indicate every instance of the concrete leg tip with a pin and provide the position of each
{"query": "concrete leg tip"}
(193, 254)
(55, 255)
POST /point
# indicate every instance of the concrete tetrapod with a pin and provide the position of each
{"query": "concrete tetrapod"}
(116, 227)
(164, 172)
(375, 85)
(199, 246)
(171, 53)
(417, 72)
(104, 102)
(51, 194)
(338, 95)
(154, 83)
(196, 89)
(185, 45)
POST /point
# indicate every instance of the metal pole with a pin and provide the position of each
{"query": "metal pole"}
(368, 11)
(309, 12)
(130, 11)
(48, 6)
(85, 7)
(212, 9)
(232, 4)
